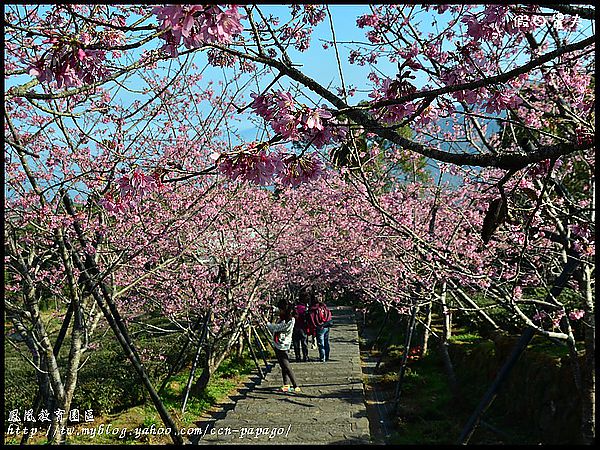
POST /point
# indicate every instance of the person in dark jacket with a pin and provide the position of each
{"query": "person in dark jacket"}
(300, 336)
(319, 321)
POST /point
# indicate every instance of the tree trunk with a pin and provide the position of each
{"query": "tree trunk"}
(407, 341)
(204, 377)
(426, 328)
(239, 350)
(43, 395)
(446, 316)
(77, 334)
(588, 398)
(246, 335)
(188, 386)
(49, 362)
(261, 346)
(446, 332)
(449, 367)
(73, 367)
(101, 294)
(201, 342)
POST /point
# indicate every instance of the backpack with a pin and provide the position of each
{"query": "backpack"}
(324, 316)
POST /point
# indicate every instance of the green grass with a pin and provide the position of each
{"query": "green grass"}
(426, 413)
(465, 337)
(223, 381)
(554, 349)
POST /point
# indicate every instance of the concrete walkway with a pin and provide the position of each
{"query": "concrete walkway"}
(330, 410)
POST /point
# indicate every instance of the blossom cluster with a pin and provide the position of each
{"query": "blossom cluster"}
(197, 25)
(574, 315)
(70, 64)
(298, 170)
(584, 240)
(489, 26)
(132, 189)
(252, 163)
(295, 122)
(312, 14)
(391, 90)
(297, 32)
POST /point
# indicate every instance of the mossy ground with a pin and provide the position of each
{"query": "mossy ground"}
(428, 413)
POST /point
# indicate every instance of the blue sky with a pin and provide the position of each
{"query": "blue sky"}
(321, 64)
(316, 62)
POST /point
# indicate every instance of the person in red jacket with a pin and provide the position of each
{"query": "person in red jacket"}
(300, 336)
(319, 321)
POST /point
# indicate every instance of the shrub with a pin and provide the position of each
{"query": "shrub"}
(20, 384)
(108, 383)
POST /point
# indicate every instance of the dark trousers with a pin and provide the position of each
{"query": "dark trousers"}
(300, 339)
(286, 367)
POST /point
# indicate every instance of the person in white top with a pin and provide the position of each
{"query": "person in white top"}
(282, 341)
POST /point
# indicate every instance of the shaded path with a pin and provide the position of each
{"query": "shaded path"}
(379, 397)
(331, 409)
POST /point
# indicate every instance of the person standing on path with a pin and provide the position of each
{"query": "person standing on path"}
(282, 340)
(300, 336)
(319, 322)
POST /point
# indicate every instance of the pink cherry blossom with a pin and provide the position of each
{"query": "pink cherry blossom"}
(263, 105)
(312, 118)
(302, 169)
(557, 317)
(252, 163)
(197, 25)
(287, 125)
(70, 66)
(576, 314)
(502, 100)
